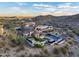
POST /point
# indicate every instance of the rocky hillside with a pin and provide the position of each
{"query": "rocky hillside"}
(68, 48)
(49, 19)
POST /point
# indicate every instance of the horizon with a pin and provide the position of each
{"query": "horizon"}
(38, 8)
(18, 16)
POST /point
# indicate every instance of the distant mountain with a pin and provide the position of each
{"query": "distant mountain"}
(51, 19)
(43, 19)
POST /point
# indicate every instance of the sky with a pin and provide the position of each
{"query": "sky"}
(38, 8)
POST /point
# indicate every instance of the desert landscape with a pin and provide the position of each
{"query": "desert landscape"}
(39, 29)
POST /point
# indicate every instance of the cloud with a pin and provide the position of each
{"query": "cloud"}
(60, 9)
(64, 5)
(10, 10)
(21, 3)
(25, 8)
(14, 8)
(45, 9)
(42, 5)
(67, 5)
(51, 9)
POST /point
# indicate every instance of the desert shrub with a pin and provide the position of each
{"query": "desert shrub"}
(70, 53)
(38, 46)
(7, 56)
(36, 55)
(9, 25)
(36, 39)
(11, 36)
(76, 43)
(26, 53)
(30, 55)
(12, 39)
(2, 44)
(7, 49)
(64, 50)
(70, 34)
(19, 39)
(20, 48)
(76, 31)
(70, 42)
(66, 46)
(13, 29)
(22, 55)
(15, 39)
(45, 51)
(56, 51)
(0, 55)
(55, 43)
(41, 53)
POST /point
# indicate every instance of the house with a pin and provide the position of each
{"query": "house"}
(47, 33)
(30, 42)
(53, 38)
(26, 29)
(27, 33)
(18, 30)
(43, 28)
(48, 38)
